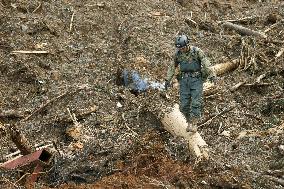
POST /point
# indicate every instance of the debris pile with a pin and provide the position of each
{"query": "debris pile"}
(59, 62)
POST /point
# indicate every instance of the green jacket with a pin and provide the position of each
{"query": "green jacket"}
(192, 60)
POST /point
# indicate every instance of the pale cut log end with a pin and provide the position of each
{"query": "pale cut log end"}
(175, 123)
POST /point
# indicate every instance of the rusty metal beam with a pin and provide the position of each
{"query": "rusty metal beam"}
(40, 156)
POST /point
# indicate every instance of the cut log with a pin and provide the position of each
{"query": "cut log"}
(175, 123)
(243, 30)
(225, 67)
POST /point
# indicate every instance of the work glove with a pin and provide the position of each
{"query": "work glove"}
(167, 84)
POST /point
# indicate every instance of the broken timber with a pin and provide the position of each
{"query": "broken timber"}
(175, 123)
(208, 87)
(20, 141)
(243, 30)
(225, 67)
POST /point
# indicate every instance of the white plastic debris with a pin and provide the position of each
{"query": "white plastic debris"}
(119, 105)
(204, 182)
(226, 133)
(281, 149)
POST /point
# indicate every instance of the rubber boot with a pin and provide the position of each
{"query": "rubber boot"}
(192, 125)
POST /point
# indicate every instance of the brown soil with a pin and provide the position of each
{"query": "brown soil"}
(126, 147)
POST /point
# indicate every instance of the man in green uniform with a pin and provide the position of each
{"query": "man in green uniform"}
(194, 69)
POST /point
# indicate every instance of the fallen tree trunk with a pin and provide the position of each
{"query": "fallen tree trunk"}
(243, 30)
(208, 87)
(225, 67)
(175, 123)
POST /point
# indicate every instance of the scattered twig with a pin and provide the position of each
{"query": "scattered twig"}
(73, 117)
(279, 53)
(242, 63)
(274, 41)
(37, 8)
(238, 85)
(275, 172)
(189, 20)
(71, 22)
(8, 181)
(273, 26)
(275, 179)
(44, 105)
(49, 102)
(157, 183)
(80, 114)
(258, 84)
(259, 78)
(213, 116)
(220, 127)
(3, 131)
(262, 57)
(133, 132)
(242, 19)
(29, 52)
(254, 116)
(101, 5)
(75, 130)
(21, 178)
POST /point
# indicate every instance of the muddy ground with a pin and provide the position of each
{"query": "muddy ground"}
(120, 142)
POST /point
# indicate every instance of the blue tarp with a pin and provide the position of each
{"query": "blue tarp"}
(133, 80)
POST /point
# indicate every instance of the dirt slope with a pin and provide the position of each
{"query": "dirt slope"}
(125, 146)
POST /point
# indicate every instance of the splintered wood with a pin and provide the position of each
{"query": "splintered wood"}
(75, 130)
(20, 141)
(2, 130)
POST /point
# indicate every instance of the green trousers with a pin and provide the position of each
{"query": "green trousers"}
(191, 91)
